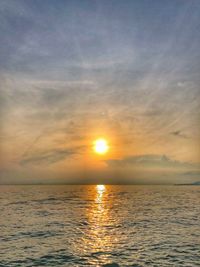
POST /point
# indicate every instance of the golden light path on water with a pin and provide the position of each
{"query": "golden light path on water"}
(98, 239)
(100, 191)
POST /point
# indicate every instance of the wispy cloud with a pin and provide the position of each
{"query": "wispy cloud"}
(48, 157)
(179, 134)
(150, 161)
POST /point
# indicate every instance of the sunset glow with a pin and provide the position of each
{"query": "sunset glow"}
(99, 94)
(101, 146)
(99, 133)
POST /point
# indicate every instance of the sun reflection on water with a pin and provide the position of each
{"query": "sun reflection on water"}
(100, 189)
(97, 238)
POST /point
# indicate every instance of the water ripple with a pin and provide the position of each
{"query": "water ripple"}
(99, 226)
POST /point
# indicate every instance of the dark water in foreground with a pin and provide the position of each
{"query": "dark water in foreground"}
(97, 225)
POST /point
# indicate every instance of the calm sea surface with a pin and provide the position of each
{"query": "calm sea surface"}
(99, 225)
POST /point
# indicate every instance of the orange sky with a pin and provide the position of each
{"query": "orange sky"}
(123, 74)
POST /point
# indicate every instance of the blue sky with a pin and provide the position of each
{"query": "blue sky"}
(73, 70)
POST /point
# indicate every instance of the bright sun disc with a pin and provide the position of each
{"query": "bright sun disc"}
(101, 146)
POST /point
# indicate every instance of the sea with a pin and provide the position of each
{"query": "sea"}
(99, 225)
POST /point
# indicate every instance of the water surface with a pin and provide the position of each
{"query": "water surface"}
(96, 225)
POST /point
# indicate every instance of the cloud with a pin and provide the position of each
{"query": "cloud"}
(179, 134)
(48, 157)
(154, 169)
(193, 173)
(149, 161)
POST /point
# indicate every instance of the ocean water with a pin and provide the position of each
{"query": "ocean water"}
(99, 225)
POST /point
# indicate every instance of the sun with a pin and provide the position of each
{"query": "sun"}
(101, 146)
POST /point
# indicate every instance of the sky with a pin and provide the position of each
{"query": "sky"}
(74, 71)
